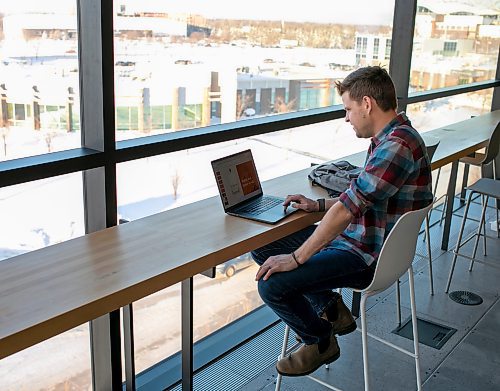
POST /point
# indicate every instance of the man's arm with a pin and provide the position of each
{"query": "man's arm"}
(334, 222)
(306, 204)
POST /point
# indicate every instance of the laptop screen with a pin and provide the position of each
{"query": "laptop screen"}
(236, 178)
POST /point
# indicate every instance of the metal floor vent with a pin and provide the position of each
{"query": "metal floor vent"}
(465, 297)
(429, 333)
(243, 364)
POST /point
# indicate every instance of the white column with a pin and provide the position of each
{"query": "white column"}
(228, 85)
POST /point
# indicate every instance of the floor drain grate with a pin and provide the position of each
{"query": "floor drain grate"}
(465, 297)
(429, 333)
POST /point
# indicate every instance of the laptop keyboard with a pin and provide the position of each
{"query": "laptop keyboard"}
(261, 205)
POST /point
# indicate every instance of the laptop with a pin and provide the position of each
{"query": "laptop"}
(241, 192)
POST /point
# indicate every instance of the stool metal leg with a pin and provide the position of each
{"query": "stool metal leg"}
(459, 241)
(437, 199)
(415, 328)
(483, 222)
(283, 352)
(482, 226)
(364, 336)
(498, 221)
(429, 253)
(496, 205)
(398, 303)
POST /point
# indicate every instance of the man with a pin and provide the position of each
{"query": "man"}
(297, 273)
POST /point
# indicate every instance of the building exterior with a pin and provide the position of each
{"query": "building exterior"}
(372, 49)
(451, 45)
(28, 26)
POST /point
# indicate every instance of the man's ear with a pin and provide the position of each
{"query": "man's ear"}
(368, 103)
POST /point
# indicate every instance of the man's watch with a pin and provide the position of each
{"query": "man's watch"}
(321, 204)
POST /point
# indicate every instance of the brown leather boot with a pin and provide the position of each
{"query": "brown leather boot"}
(307, 359)
(343, 324)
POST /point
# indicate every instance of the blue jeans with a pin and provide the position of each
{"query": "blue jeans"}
(300, 296)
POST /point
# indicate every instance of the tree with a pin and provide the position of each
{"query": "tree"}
(280, 106)
(176, 180)
(4, 133)
(49, 135)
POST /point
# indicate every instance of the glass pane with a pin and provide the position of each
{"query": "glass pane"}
(436, 113)
(35, 215)
(433, 114)
(59, 363)
(158, 183)
(39, 105)
(157, 327)
(40, 213)
(230, 295)
(181, 65)
(453, 44)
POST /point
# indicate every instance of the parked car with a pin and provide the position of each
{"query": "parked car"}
(230, 267)
(125, 63)
(182, 62)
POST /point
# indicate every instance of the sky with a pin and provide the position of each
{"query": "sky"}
(378, 12)
(352, 11)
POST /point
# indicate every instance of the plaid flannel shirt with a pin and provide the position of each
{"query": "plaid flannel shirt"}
(396, 179)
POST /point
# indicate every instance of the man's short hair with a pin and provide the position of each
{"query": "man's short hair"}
(374, 82)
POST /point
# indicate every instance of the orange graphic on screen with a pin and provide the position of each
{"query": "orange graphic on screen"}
(248, 177)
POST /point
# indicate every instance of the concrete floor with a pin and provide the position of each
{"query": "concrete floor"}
(469, 360)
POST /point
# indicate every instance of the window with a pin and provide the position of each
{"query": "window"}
(39, 103)
(446, 45)
(35, 215)
(387, 49)
(172, 57)
(364, 47)
(450, 47)
(157, 327)
(376, 44)
(441, 112)
(436, 113)
(358, 43)
(48, 211)
(59, 363)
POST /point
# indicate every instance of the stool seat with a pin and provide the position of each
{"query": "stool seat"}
(475, 160)
(486, 186)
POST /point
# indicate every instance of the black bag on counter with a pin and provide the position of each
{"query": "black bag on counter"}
(334, 177)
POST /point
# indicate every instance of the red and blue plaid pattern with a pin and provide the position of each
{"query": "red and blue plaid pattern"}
(396, 179)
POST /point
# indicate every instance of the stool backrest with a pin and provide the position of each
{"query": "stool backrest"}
(398, 250)
(493, 146)
(431, 149)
